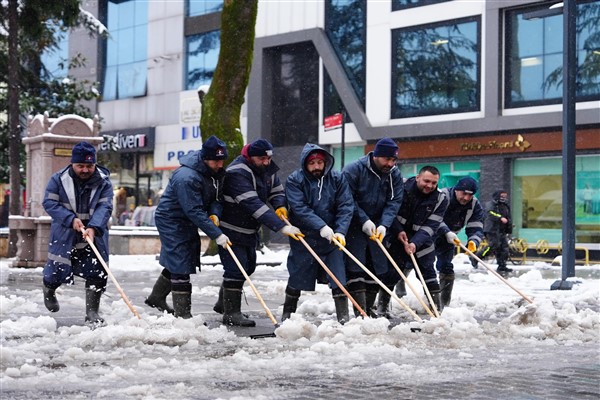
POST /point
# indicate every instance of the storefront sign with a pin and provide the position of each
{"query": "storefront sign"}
(520, 143)
(129, 140)
(173, 142)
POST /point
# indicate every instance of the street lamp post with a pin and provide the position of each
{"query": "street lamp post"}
(568, 143)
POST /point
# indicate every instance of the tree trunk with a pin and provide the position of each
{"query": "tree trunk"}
(14, 139)
(222, 105)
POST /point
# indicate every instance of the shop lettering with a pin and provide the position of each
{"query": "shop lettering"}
(520, 144)
(172, 154)
(120, 141)
(185, 134)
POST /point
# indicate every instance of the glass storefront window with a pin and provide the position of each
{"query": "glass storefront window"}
(534, 56)
(403, 4)
(436, 68)
(202, 56)
(126, 50)
(202, 7)
(537, 199)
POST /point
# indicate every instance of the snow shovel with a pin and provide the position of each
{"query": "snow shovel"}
(418, 270)
(389, 257)
(258, 296)
(108, 271)
(458, 243)
(333, 277)
(372, 275)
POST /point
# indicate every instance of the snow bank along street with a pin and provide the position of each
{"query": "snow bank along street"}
(489, 344)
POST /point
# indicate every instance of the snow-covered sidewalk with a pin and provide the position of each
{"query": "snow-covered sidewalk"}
(489, 344)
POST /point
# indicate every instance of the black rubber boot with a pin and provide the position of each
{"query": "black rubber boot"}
(370, 296)
(434, 291)
(383, 304)
(291, 302)
(218, 307)
(360, 297)
(158, 297)
(401, 285)
(92, 305)
(182, 304)
(503, 269)
(232, 304)
(341, 306)
(446, 285)
(50, 300)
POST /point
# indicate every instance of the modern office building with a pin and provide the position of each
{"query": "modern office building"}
(472, 87)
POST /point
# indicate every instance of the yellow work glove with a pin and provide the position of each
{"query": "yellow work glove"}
(471, 246)
(340, 238)
(282, 213)
(214, 219)
(292, 232)
(379, 234)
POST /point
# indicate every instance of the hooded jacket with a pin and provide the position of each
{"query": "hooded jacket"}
(248, 192)
(314, 203)
(494, 211)
(61, 203)
(470, 216)
(193, 193)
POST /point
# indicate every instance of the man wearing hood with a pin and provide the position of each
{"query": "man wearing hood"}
(253, 196)
(377, 188)
(464, 211)
(321, 205)
(189, 202)
(496, 227)
(78, 197)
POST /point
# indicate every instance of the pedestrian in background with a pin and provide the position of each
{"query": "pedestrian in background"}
(497, 227)
(191, 201)
(78, 197)
(464, 211)
(321, 205)
(253, 196)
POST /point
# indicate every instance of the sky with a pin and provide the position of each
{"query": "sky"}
(54, 355)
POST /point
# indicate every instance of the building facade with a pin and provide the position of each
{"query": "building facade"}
(473, 88)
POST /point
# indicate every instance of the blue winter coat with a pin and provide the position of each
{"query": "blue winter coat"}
(494, 211)
(193, 193)
(420, 216)
(247, 196)
(376, 197)
(61, 204)
(470, 216)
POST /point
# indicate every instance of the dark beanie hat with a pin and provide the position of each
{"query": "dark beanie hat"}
(214, 149)
(83, 153)
(467, 185)
(386, 147)
(260, 148)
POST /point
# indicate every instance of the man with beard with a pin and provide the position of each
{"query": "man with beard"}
(413, 231)
(251, 185)
(377, 188)
(79, 196)
(321, 205)
(464, 211)
(189, 202)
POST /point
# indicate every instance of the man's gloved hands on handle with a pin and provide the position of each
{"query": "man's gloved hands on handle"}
(452, 238)
(292, 232)
(471, 246)
(326, 233)
(369, 228)
(222, 240)
(282, 213)
(379, 233)
(340, 238)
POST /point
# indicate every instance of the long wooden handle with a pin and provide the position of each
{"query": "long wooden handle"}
(383, 286)
(243, 271)
(333, 277)
(493, 272)
(411, 287)
(425, 288)
(108, 271)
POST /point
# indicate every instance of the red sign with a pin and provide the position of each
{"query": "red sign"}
(333, 121)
